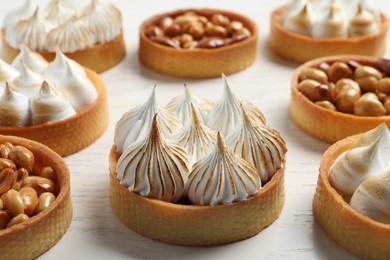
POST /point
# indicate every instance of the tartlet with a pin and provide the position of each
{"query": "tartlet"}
(324, 124)
(357, 233)
(300, 48)
(198, 63)
(36, 235)
(74, 133)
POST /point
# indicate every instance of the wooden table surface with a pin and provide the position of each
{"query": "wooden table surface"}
(96, 233)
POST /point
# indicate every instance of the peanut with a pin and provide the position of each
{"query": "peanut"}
(21, 174)
(39, 184)
(22, 157)
(13, 202)
(17, 220)
(7, 180)
(30, 199)
(44, 201)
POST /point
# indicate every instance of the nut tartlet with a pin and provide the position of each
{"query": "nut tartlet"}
(193, 61)
(301, 48)
(158, 178)
(359, 234)
(37, 233)
(90, 34)
(329, 125)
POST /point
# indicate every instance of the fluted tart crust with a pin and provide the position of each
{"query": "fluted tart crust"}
(300, 48)
(324, 124)
(74, 133)
(38, 234)
(98, 58)
(198, 63)
(193, 225)
(358, 234)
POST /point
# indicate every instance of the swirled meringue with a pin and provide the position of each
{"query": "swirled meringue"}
(57, 13)
(32, 60)
(259, 145)
(195, 137)
(21, 13)
(32, 32)
(103, 20)
(372, 198)
(363, 23)
(222, 177)
(331, 25)
(7, 72)
(15, 108)
(180, 106)
(154, 167)
(28, 82)
(293, 7)
(299, 21)
(226, 112)
(49, 105)
(135, 124)
(71, 36)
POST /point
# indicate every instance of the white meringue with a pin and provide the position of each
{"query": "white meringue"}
(57, 13)
(7, 72)
(293, 7)
(28, 82)
(31, 31)
(154, 167)
(15, 108)
(330, 26)
(32, 60)
(225, 115)
(135, 124)
(195, 137)
(103, 20)
(49, 105)
(23, 12)
(372, 198)
(259, 145)
(180, 106)
(299, 21)
(70, 36)
(363, 23)
(222, 177)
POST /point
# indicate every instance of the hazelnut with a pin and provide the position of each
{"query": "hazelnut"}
(383, 86)
(367, 84)
(234, 26)
(324, 67)
(326, 104)
(387, 106)
(314, 74)
(154, 31)
(367, 71)
(219, 19)
(324, 92)
(346, 98)
(344, 84)
(307, 86)
(216, 30)
(172, 30)
(339, 70)
(384, 65)
(369, 105)
(196, 31)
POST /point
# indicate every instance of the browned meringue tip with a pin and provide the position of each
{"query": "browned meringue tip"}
(220, 142)
(155, 131)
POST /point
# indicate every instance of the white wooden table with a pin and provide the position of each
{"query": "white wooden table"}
(96, 233)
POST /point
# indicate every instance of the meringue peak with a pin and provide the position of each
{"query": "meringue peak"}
(47, 90)
(155, 131)
(220, 143)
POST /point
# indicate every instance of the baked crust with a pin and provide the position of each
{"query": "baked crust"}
(324, 124)
(300, 48)
(74, 133)
(192, 225)
(358, 234)
(36, 235)
(98, 58)
(198, 63)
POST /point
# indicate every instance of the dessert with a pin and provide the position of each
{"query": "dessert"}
(64, 106)
(90, 34)
(335, 97)
(190, 184)
(36, 208)
(352, 201)
(313, 29)
(198, 43)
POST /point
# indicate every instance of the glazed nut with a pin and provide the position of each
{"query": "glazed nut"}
(48, 172)
(387, 106)
(186, 18)
(190, 45)
(367, 71)
(154, 31)
(307, 86)
(324, 66)
(4, 219)
(346, 99)
(339, 70)
(1, 204)
(234, 26)
(165, 41)
(216, 30)
(221, 20)
(326, 104)
(17, 220)
(211, 43)
(39, 184)
(324, 92)
(165, 22)
(383, 86)
(30, 199)
(7, 180)
(196, 31)
(22, 157)
(369, 105)
(344, 84)
(21, 174)
(367, 84)
(44, 201)
(240, 35)
(314, 74)
(383, 65)
(4, 151)
(6, 163)
(172, 31)
(13, 202)
(353, 65)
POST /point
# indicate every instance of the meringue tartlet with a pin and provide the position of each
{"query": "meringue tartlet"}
(59, 104)
(189, 182)
(352, 201)
(349, 96)
(27, 237)
(305, 30)
(92, 34)
(198, 43)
